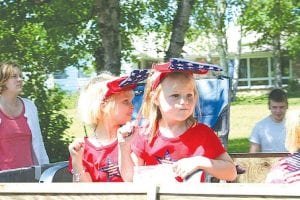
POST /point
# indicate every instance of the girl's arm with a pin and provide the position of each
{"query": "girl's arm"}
(127, 161)
(76, 149)
(222, 167)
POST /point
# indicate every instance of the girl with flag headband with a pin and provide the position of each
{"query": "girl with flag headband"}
(105, 105)
(171, 134)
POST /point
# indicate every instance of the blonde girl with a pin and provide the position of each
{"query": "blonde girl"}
(105, 106)
(172, 135)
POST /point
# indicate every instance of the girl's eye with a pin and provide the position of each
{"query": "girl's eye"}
(175, 95)
(190, 95)
(126, 102)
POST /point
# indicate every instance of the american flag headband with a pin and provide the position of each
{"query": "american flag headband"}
(181, 65)
(125, 83)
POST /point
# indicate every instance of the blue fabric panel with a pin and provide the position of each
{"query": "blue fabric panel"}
(138, 99)
(213, 97)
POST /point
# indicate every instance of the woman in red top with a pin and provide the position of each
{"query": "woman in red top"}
(172, 135)
(21, 141)
(105, 104)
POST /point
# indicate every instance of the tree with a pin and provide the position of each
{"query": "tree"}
(15, 44)
(108, 18)
(277, 23)
(179, 28)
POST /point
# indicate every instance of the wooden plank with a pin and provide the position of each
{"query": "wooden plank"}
(257, 155)
(232, 189)
(141, 191)
(257, 165)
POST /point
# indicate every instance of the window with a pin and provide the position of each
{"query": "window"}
(243, 69)
(258, 67)
(285, 67)
(260, 71)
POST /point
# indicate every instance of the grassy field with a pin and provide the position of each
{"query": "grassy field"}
(243, 117)
(242, 120)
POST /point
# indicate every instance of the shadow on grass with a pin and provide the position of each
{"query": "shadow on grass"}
(240, 145)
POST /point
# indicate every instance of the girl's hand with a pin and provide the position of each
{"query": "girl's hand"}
(185, 167)
(125, 133)
(76, 149)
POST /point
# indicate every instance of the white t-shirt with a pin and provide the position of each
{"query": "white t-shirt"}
(269, 135)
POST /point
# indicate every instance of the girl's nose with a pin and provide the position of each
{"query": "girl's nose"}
(182, 100)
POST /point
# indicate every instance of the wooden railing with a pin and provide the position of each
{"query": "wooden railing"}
(201, 191)
(256, 167)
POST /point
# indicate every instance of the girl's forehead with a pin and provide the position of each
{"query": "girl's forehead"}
(124, 94)
(177, 87)
(174, 82)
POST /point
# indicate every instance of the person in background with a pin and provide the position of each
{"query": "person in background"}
(172, 135)
(287, 170)
(268, 135)
(21, 141)
(105, 106)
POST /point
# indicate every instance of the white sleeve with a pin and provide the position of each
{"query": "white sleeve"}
(255, 135)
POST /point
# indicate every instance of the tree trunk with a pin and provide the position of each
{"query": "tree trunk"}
(221, 34)
(237, 58)
(108, 15)
(276, 62)
(180, 26)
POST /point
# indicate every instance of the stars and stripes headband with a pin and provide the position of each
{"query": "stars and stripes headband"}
(181, 65)
(125, 83)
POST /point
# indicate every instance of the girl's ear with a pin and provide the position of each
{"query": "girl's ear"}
(154, 98)
(103, 105)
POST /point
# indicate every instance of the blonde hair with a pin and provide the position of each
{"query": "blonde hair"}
(150, 111)
(6, 71)
(91, 100)
(292, 142)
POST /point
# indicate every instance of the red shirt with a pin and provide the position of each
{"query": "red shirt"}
(199, 140)
(15, 142)
(101, 162)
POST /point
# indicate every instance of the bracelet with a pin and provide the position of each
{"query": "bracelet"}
(76, 175)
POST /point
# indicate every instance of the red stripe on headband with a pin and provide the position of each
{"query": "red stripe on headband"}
(114, 87)
(179, 65)
(158, 80)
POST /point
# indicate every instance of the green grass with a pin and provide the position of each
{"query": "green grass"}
(238, 145)
(243, 115)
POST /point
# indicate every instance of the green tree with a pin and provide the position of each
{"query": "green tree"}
(277, 22)
(26, 42)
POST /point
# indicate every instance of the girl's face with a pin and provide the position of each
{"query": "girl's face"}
(15, 82)
(123, 109)
(177, 99)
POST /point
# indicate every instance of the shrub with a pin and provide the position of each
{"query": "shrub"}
(53, 121)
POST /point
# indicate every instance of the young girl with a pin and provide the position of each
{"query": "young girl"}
(172, 135)
(105, 106)
(21, 141)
